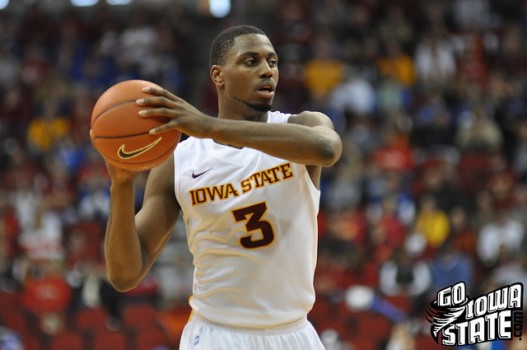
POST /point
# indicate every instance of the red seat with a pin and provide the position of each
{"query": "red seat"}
(375, 327)
(14, 318)
(149, 338)
(108, 340)
(90, 319)
(7, 300)
(140, 316)
(321, 314)
(365, 342)
(474, 168)
(31, 341)
(427, 342)
(66, 341)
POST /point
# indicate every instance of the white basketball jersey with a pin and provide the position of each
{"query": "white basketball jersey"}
(252, 230)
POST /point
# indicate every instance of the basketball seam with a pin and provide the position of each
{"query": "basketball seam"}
(120, 136)
(111, 107)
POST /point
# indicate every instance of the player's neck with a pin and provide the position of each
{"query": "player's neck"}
(254, 116)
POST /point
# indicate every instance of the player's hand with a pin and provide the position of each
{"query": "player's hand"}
(183, 116)
(118, 175)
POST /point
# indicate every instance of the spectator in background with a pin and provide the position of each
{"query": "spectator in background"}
(449, 266)
(402, 337)
(355, 95)
(396, 64)
(439, 178)
(25, 196)
(392, 97)
(431, 222)
(406, 274)
(511, 53)
(10, 340)
(358, 21)
(43, 240)
(501, 237)
(396, 27)
(9, 226)
(72, 48)
(92, 191)
(387, 231)
(394, 153)
(511, 269)
(52, 124)
(471, 58)
(47, 295)
(434, 127)
(8, 282)
(484, 209)
(519, 162)
(137, 41)
(9, 68)
(462, 235)
(324, 70)
(501, 180)
(469, 14)
(392, 188)
(293, 24)
(292, 79)
(519, 204)
(16, 111)
(91, 289)
(344, 191)
(435, 60)
(478, 131)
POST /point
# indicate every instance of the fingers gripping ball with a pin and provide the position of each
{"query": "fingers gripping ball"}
(121, 135)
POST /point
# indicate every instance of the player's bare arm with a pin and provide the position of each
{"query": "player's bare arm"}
(308, 138)
(133, 242)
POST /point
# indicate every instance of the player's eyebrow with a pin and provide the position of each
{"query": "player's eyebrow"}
(270, 54)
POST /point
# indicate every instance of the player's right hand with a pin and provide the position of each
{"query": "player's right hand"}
(119, 175)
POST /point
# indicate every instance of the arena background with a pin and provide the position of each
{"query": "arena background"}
(429, 97)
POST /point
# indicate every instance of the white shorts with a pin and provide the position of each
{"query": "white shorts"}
(200, 334)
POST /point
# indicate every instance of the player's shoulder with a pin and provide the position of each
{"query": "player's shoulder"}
(310, 118)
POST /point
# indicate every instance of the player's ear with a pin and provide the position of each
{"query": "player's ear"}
(216, 74)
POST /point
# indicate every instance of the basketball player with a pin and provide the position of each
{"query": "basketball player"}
(247, 184)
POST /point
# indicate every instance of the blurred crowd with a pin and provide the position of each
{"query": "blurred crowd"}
(428, 96)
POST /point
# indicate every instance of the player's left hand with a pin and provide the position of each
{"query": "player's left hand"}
(183, 116)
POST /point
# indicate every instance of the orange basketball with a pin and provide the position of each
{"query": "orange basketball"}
(121, 135)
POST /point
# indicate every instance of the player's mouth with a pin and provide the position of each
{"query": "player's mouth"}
(266, 90)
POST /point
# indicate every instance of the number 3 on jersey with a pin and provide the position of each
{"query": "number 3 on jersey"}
(253, 216)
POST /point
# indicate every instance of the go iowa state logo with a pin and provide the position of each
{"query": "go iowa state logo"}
(458, 320)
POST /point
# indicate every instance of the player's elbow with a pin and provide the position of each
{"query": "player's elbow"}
(122, 282)
(330, 151)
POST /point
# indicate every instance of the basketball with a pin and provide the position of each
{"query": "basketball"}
(121, 135)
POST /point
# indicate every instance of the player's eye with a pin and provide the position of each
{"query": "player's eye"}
(273, 63)
(250, 62)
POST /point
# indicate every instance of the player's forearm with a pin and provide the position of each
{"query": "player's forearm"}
(122, 246)
(306, 145)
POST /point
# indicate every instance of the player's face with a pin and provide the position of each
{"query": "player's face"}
(250, 72)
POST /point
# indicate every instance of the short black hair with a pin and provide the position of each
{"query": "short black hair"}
(225, 40)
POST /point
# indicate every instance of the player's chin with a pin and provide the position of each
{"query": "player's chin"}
(265, 106)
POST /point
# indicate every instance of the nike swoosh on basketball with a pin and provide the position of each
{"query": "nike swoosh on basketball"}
(124, 154)
(199, 174)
